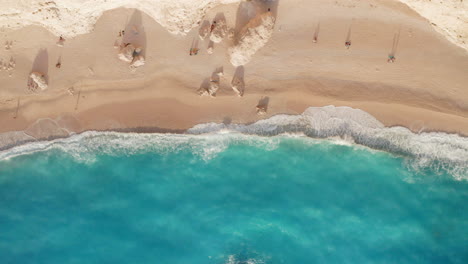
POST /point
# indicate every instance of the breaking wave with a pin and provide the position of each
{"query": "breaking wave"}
(439, 152)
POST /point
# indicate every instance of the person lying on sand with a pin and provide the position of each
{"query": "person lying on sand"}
(348, 44)
(391, 59)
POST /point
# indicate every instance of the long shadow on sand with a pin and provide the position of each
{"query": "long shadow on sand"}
(41, 63)
(135, 32)
(396, 40)
(248, 10)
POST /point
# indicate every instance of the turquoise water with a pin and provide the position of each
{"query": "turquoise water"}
(275, 200)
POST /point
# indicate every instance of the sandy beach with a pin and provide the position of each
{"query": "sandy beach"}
(425, 89)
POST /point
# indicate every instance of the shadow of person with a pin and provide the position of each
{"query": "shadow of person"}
(262, 106)
(41, 64)
(249, 10)
(135, 32)
(316, 33)
(348, 36)
(396, 40)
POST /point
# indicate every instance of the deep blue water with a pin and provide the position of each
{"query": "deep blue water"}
(302, 201)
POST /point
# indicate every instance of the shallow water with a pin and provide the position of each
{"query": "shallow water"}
(198, 200)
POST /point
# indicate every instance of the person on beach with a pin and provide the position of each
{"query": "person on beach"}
(194, 51)
(212, 26)
(391, 59)
(60, 42)
(58, 65)
(348, 44)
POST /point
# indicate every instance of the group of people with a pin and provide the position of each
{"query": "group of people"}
(391, 57)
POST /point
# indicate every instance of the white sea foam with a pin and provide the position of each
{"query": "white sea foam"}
(439, 152)
(86, 146)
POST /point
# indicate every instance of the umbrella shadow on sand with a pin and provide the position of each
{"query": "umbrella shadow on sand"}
(248, 10)
(41, 64)
(135, 32)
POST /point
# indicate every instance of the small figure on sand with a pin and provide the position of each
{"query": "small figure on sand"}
(58, 65)
(60, 42)
(316, 33)
(213, 26)
(194, 48)
(391, 59)
(348, 44)
(194, 51)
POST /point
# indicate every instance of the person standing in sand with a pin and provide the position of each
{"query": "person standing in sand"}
(212, 26)
(60, 42)
(194, 51)
(348, 44)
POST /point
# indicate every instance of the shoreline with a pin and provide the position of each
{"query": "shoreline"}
(436, 150)
(424, 90)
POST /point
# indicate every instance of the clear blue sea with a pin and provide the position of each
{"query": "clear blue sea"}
(192, 199)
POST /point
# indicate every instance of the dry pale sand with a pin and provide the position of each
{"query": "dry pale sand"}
(426, 89)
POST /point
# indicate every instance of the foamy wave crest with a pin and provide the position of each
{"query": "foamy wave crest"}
(439, 152)
(86, 146)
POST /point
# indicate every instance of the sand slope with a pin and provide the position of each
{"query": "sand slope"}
(73, 17)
